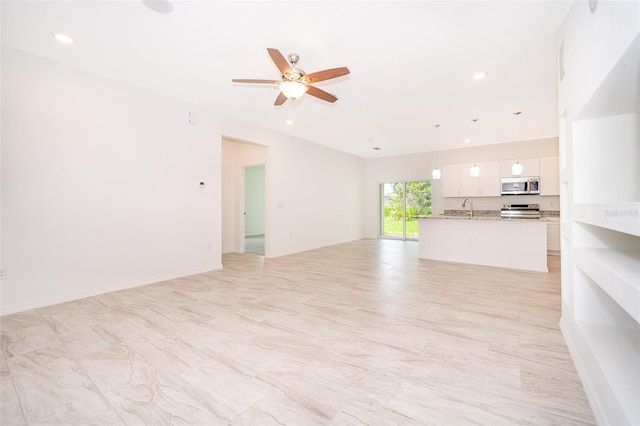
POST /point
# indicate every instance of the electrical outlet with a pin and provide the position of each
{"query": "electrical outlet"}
(3, 273)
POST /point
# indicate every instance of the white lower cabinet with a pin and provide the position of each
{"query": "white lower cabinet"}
(553, 238)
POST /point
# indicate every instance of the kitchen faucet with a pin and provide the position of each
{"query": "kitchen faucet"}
(464, 203)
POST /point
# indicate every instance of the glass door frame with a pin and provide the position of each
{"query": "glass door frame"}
(381, 208)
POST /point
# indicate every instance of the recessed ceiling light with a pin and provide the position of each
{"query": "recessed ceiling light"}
(289, 122)
(160, 6)
(479, 75)
(467, 141)
(63, 38)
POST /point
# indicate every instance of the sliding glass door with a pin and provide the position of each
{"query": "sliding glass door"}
(400, 203)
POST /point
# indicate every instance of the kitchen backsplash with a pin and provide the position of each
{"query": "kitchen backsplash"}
(494, 203)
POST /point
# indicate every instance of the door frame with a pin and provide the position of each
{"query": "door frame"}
(242, 212)
(403, 237)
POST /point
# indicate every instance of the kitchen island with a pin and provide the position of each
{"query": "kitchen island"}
(485, 240)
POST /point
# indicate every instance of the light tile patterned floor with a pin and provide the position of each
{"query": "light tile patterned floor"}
(359, 333)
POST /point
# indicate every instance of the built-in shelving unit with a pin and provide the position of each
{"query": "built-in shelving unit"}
(616, 272)
(600, 209)
(621, 217)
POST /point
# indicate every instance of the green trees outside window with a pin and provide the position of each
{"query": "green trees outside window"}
(401, 202)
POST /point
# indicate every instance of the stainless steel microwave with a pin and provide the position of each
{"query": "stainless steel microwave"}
(520, 186)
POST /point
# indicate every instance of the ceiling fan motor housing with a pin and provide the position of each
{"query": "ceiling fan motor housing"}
(293, 58)
(296, 75)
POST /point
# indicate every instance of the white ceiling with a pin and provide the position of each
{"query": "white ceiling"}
(411, 63)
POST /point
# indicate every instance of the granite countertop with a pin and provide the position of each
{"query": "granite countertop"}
(495, 218)
(546, 216)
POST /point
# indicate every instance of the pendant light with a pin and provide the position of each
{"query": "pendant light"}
(517, 168)
(475, 170)
(436, 173)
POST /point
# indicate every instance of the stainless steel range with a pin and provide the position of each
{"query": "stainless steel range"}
(520, 211)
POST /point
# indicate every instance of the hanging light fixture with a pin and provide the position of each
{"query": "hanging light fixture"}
(517, 168)
(293, 89)
(436, 173)
(475, 170)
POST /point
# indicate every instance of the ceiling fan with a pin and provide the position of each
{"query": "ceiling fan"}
(296, 82)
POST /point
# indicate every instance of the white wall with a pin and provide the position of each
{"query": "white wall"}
(100, 186)
(416, 167)
(314, 194)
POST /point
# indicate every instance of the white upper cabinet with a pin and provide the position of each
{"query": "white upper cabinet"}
(468, 185)
(530, 167)
(458, 182)
(549, 176)
(451, 181)
(485, 185)
(489, 180)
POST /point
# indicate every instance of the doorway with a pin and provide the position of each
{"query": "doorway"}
(400, 204)
(254, 209)
(237, 156)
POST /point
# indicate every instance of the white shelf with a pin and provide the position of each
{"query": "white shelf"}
(621, 217)
(619, 93)
(617, 272)
(616, 351)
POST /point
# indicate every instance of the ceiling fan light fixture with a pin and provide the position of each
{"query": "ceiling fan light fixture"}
(293, 89)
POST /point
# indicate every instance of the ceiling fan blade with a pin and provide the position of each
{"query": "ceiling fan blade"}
(280, 99)
(327, 74)
(321, 94)
(252, 80)
(279, 60)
